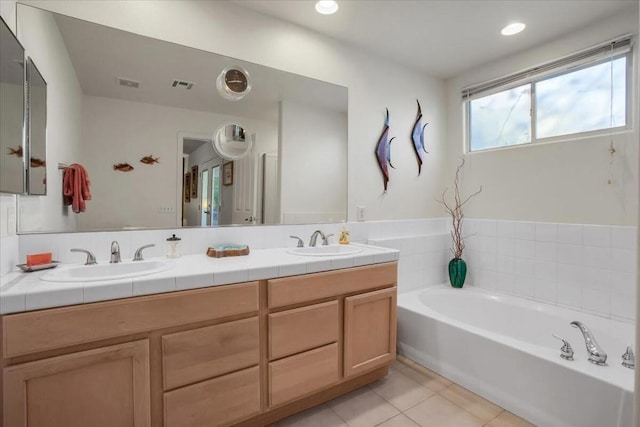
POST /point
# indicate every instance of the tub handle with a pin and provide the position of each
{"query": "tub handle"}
(566, 352)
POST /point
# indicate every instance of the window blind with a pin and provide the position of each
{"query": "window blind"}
(613, 48)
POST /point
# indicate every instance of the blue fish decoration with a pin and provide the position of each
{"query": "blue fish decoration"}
(383, 151)
(417, 135)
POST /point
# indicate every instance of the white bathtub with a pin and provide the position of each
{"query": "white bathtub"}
(501, 348)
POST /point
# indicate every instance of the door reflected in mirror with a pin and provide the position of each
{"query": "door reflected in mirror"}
(121, 97)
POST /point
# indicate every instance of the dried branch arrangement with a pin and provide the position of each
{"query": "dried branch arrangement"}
(454, 209)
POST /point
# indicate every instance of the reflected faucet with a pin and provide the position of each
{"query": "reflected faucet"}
(115, 252)
(596, 354)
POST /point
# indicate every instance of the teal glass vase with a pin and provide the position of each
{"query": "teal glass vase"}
(457, 272)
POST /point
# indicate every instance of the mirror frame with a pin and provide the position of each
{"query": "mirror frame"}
(218, 144)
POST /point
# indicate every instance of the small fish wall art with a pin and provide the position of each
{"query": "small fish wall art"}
(149, 160)
(123, 167)
(15, 151)
(383, 151)
(417, 135)
(38, 163)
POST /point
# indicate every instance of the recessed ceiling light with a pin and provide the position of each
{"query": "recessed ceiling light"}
(512, 29)
(326, 7)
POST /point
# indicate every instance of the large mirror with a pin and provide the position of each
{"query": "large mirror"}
(141, 115)
(12, 149)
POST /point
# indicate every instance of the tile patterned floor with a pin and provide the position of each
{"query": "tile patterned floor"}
(410, 396)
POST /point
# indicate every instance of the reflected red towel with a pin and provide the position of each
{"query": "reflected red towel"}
(75, 187)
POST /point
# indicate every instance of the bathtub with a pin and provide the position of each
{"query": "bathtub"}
(501, 348)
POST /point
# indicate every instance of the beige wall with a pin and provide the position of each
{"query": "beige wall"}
(555, 182)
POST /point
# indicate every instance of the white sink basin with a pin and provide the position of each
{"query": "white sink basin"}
(330, 250)
(98, 272)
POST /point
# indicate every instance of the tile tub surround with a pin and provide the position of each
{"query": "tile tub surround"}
(591, 268)
(410, 396)
(25, 291)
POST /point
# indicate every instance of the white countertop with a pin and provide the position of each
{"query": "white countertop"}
(25, 291)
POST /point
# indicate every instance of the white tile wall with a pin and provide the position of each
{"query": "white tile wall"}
(583, 267)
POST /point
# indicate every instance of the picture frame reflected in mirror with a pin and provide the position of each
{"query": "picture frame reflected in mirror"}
(227, 173)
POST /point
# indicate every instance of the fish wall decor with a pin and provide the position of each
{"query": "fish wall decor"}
(123, 167)
(149, 160)
(417, 135)
(38, 163)
(15, 151)
(383, 151)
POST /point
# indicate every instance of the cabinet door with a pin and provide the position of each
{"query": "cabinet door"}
(369, 331)
(105, 387)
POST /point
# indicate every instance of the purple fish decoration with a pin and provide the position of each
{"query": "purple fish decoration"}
(383, 151)
(418, 138)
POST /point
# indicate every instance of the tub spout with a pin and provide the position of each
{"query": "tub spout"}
(596, 354)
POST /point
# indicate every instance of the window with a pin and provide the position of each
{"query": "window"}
(586, 93)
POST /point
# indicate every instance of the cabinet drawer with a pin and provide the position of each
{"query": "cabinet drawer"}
(301, 374)
(31, 332)
(310, 287)
(199, 354)
(293, 331)
(218, 402)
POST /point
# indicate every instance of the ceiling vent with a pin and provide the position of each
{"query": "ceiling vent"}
(181, 84)
(128, 83)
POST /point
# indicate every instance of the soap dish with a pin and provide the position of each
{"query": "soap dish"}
(30, 269)
(228, 250)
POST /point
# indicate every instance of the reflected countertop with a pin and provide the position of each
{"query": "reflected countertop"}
(21, 292)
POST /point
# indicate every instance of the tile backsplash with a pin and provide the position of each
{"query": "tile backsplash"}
(583, 267)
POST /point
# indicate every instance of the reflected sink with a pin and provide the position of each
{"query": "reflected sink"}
(95, 273)
(330, 250)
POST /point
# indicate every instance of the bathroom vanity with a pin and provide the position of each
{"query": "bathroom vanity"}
(247, 353)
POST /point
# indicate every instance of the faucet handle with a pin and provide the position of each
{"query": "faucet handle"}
(138, 255)
(566, 352)
(325, 239)
(300, 242)
(91, 259)
(628, 359)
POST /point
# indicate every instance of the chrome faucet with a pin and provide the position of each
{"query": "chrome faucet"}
(314, 237)
(115, 252)
(91, 259)
(138, 255)
(596, 354)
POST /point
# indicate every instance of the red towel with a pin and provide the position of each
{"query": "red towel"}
(75, 187)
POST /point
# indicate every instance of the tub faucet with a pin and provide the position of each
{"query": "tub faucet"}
(115, 252)
(596, 354)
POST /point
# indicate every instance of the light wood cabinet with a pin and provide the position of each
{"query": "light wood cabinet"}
(369, 331)
(244, 354)
(203, 353)
(105, 387)
(217, 402)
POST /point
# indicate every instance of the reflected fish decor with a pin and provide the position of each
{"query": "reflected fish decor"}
(15, 151)
(417, 135)
(37, 163)
(123, 167)
(383, 151)
(149, 160)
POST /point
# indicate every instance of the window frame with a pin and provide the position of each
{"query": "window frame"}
(531, 82)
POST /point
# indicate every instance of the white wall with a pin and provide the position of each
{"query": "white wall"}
(373, 83)
(313, 148)
(555, 182)
(135, 130)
